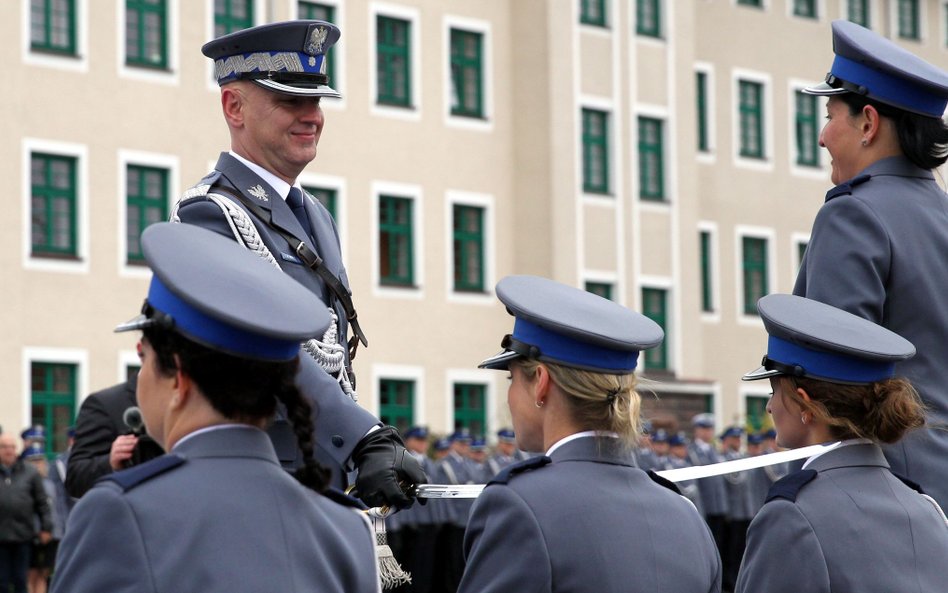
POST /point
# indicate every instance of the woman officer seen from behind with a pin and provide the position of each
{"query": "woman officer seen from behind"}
(582, 517)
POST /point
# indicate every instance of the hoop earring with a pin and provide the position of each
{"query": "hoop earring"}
(803, 418)
(539, 403)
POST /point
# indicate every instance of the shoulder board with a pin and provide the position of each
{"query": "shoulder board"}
(844, 189)
(790, 485)
(202, 187)
(340, 497)
(913, 485)
(663, 482)
(129, 478)
(518, 468)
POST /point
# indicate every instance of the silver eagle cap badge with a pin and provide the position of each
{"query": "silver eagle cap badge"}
(317, 37)
(258, 192)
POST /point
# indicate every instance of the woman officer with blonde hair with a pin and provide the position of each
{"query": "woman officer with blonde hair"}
(582, 517)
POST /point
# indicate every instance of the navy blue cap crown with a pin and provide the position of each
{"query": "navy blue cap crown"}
(287, 57)
(572, 327)
(34, 433)
(416, 432)
(34, 451)
(216, 293)
(732, 431)
(812, 339)
(506, 435)
(868, 64)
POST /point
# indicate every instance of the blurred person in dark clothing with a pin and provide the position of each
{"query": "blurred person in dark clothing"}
(22, 498)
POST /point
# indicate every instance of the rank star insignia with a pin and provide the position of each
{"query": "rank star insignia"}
(258, 192)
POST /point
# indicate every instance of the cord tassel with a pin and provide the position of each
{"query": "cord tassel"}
(391, 574)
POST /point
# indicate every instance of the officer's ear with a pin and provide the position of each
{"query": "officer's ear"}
(232, 104)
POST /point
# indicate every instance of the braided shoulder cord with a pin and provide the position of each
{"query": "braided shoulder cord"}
(328, 353)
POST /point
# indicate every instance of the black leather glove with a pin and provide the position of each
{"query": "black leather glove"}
(386, 470)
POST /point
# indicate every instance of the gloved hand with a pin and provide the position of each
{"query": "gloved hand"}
(386, 470)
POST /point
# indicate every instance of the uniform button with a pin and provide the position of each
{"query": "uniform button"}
(338, 441)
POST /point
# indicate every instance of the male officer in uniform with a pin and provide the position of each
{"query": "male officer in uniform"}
(701, 451)
(272, 78)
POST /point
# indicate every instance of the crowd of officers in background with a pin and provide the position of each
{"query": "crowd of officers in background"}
(427, 539)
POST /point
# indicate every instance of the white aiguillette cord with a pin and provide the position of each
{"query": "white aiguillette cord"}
(675, 475)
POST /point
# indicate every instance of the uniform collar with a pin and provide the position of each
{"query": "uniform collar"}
(281, 187)
(849, 452)
(899, 166)
(598, 446)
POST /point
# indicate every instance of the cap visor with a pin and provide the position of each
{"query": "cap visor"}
(499, 361)
(138, 322)
(316, 91)
(823, 89)
(760, 373)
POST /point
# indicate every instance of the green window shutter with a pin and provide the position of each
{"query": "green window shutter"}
(858, 12)
(651, 160)
(53, 205)
(648, 18)
(757, 417)
(468, 247)
(603, 289)
(325, 196)
(701, 104)
(470, 407)
(397, 403)
(393, 61)
(755, 272)
(804, 8)
(53, 402)
(467, 84)
(146, 195)
(232, 15)
(655, 307)
(592, 12)
(321, 12)
(595, 151)
(908, 19)
(395, 241)
(807, 130)
(53, 26)
(707, 295)
(146, 33)
(751, 119)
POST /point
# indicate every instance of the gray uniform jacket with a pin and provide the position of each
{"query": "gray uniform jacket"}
(852, 527)
(587, 521)
(227, 519)
(713, 489)
(340, 422)
(878, 250)
(740, 499)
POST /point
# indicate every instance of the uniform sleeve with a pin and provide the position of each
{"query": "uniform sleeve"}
(847, 259)
(504, 548)
(783, 554)
(89, 457)
(103, 549)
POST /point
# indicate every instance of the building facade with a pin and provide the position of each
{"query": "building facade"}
(656, 152)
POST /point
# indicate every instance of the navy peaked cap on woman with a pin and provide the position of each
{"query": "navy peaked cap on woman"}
(868, 64)
(813, 339)
(212, 291)
(287, 57)
(568, 326)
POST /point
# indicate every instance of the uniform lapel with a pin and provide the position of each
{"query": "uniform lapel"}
(252, 186)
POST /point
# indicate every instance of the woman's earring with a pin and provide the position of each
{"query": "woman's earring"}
(865, 142)
(539, 403)
(803, 418)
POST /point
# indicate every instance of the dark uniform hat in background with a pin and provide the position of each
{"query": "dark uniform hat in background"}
(216, 293)
(732, 431)
(813, 339)
(870, 65)
(677, 440)
(416, 432)
(34, 451)
(287, 57)
(568, 326)
(506, 435)
(703, 420)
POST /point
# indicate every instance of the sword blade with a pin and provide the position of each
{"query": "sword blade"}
(675, 475)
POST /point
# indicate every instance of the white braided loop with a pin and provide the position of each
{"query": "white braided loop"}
(328, 352)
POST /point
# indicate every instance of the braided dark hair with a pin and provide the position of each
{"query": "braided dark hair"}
(242, 390)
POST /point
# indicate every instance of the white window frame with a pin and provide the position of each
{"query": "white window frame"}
(75, 63)
(128, 158)
(818, 172)
(473, 376)
(479, 200)
(340, 186)
(42, 354)
(400, 372)
(413, 16)
(714, 263)
(169, 77)
(764, 79)
(414, 193)
(752, 232)
(710, 156)
(483, 28)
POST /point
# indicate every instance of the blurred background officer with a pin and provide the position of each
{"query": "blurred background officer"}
(104, 442)
(505, 453)
(43, 554)
(677, 459)
(759, 481)
(456, 468)
(218, 513)
(272, 79)
(582, 517)
(845, 522)
(713, 489)
(740, 509)
(878, 243)
(22, 500)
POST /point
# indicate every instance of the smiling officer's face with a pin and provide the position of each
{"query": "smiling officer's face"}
(278, 132)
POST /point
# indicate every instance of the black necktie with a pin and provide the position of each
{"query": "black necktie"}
(295, 201)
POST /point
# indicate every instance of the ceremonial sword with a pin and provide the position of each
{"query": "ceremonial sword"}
(682, 474)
